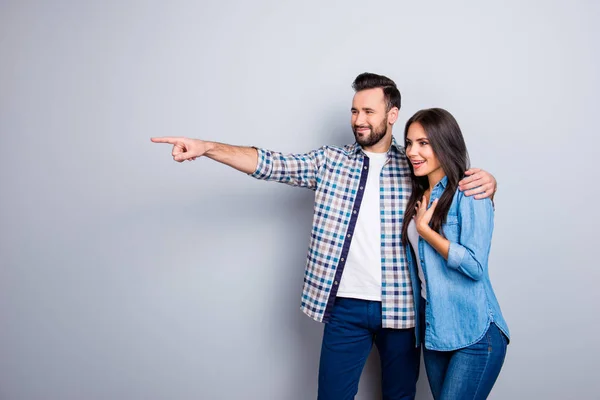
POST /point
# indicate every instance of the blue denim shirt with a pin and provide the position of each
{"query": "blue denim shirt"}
(460, 300)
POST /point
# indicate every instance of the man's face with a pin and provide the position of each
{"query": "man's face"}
(369, 116)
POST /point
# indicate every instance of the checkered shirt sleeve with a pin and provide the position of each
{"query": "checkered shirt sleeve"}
(293, 169)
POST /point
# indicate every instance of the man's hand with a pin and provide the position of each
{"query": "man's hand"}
(479, 183)
(243, 159)
(184, 148)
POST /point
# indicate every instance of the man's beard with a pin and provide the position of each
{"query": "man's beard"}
(374, 137)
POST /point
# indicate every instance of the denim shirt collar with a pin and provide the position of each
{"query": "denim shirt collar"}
(439, 188)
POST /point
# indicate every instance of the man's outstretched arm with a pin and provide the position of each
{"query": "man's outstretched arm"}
(241, 158)
(292, 169)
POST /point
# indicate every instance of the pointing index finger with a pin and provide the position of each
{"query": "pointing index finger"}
(170, 140)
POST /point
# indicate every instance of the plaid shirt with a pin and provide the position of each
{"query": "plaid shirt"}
(338, 176)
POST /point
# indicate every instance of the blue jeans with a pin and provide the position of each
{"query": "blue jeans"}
(468, 373)
(347, 341)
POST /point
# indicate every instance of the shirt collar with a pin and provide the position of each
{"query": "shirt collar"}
(442, 183)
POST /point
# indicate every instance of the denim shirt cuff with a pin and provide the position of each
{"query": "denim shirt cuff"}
(456, 252)
(264, 164)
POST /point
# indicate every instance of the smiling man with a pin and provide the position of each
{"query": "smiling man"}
(356, 278)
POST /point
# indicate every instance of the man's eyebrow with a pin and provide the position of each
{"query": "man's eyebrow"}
(364, 109)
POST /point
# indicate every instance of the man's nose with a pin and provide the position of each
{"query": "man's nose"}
(361, 119)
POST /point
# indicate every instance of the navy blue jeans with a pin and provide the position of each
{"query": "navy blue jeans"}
(468, 373)
(347, 341)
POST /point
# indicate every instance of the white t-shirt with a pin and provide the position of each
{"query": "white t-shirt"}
(361, 278)
(413, 238)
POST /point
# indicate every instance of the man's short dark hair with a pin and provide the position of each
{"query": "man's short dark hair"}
(368, 80)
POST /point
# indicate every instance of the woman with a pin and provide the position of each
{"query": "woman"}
(447, 237)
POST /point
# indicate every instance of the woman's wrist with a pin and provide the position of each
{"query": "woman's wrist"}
(423, 230)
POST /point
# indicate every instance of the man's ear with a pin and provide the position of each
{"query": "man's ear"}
(393, 115)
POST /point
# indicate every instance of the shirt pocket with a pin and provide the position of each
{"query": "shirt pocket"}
(451, 228)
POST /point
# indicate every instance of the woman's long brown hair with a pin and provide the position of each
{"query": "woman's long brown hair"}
(449, 147)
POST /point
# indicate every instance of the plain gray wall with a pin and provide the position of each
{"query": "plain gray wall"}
(125, 275)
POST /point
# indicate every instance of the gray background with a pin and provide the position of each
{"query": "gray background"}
(124, 275)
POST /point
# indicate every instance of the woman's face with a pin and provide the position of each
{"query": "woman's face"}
(421, 155)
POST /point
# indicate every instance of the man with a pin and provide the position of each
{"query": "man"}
(356, 278)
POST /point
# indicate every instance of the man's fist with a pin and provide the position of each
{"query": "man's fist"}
(184, 148)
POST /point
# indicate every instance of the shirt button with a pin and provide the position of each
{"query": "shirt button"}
(342, 259)
(354, 211)
(366, 167)
(361, 188)
(335, 283)
(349, 235)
